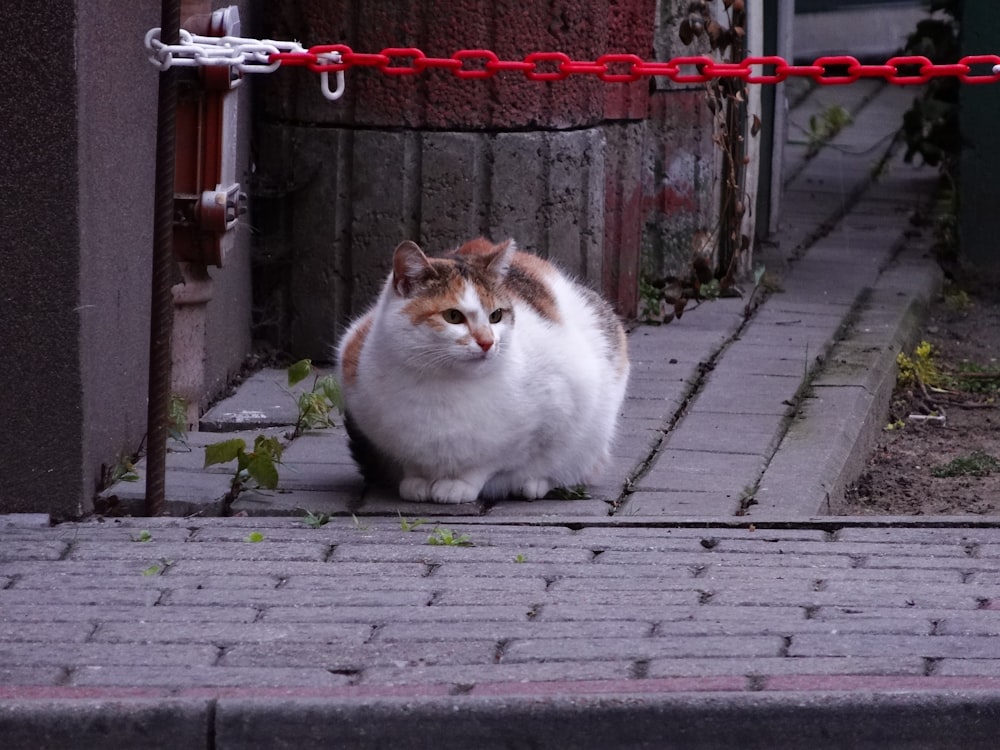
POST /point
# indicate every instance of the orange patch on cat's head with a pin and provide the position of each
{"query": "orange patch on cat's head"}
(427, 303)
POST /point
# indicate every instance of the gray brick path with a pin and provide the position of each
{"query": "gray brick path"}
(202, 619)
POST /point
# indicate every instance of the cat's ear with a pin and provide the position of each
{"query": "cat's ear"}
(499, 261)
(409, 268)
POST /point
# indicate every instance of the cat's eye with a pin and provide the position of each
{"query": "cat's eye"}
(496, 315)
(453, 316)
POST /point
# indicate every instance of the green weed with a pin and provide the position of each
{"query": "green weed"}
(447, 538)
(407, 524)
(975, 464)
(255, 469)
(158, 568)
(258, 468)
(920, 369)
(316, 520)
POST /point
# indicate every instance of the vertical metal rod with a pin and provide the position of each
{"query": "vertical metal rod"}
(161, 302)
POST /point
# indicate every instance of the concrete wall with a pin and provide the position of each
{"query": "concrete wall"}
(609, 180)
(76, 186)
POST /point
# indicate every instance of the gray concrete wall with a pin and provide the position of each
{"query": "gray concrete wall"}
(76, 186)
(979, 221)
(437, 160)
(116, 126)
(41, 407)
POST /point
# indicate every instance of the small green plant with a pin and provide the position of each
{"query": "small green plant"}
(123, 471)
(316, 520)
(974, 378)
(258, 468)
(975, 464)
(758, 284)
(920, 369)
(407, 524)
(255, 469)
(897, 424)
(650, 301)
(826, 125)
(316, 406)
(957, 300)
(158, 568)
(519, 558)
(178, 425)
(254, 537)
(448, 538)
(579, 492)
(142, 536)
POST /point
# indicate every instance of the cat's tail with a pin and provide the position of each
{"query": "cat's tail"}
(377, 468)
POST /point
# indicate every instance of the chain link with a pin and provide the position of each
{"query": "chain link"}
(241, 54)
(265, 56)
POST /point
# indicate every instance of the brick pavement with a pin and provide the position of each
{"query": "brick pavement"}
(376, 614)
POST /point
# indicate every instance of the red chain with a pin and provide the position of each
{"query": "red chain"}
(625, 68)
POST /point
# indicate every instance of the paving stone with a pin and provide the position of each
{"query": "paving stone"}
(726, 432)
(334, 656)
(41, 632)
(34, 676)
(24, 521)
(263, 400)
(965, 667)
(244, 550)
(702, 471)
(687, 504)
(434, 554)
(739, 393)
(109, 654)
(289, 597)
(508, 630)
(208, 677)
(389, 585)
(329, 447)
(644, 649)
(875, 645)
(477, 675)
(224, 634)
(341, 501)
(759, 666)
(90, 614)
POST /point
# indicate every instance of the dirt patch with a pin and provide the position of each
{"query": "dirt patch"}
(940, 452)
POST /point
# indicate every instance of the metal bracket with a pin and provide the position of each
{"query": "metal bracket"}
(207, 199)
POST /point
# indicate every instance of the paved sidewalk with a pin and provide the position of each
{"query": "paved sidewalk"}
(189, 633)
(701, 597)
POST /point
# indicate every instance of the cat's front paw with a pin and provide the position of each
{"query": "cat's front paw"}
(453, 491)
(415, 489)
(532, 489)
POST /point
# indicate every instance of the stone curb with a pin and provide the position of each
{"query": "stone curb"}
(571, 715)
(840, 418)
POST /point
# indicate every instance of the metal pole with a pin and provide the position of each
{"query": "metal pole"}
(161, 302)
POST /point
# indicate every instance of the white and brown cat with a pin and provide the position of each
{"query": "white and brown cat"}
(484, 373)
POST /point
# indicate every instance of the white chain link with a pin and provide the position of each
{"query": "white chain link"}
(239, 53)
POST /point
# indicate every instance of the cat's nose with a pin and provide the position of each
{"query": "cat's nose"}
(485, 344)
